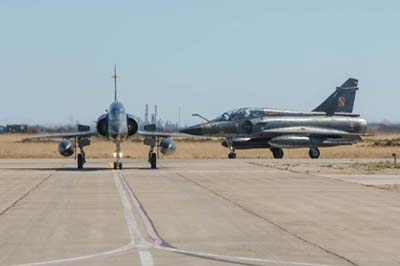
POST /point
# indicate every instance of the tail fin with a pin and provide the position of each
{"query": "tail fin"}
(342, 100)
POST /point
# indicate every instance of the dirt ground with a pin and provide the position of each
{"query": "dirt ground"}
(12, 146)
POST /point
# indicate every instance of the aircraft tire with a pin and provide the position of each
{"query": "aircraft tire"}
(153, 160)
(80, 160)
(277, 153)
(232, 155)
(314, 153)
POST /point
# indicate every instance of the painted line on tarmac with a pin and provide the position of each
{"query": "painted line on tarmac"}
(119, 251)
(133, 228)
(145, 255)
(152, 232)
(124, 190)
(233, 258)
(146, 259)
(158, 243)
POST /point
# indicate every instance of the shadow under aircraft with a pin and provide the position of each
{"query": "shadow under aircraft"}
(332, 123)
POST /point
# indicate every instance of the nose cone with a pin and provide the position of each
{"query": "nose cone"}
(194, 130)
(117, 130)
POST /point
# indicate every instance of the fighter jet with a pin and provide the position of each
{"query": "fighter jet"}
(332, 123)
(117, 126)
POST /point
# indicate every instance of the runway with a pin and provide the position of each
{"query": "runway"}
(195, 212)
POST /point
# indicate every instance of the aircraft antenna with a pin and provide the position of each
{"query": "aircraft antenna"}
(115, 82)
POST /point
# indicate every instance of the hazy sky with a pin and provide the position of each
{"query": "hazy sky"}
(207, 56)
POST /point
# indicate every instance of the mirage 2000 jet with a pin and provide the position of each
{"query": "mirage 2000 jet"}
(330, 124)
(115, 125)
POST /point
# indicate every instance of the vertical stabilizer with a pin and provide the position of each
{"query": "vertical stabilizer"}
(342, 100)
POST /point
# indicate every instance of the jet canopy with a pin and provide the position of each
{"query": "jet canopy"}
(117, 111)
(242, 113)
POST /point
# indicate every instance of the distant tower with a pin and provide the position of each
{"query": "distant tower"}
(155, 113)
(146, 114)
(179, 116)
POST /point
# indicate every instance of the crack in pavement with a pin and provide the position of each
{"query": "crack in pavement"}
(280, 227)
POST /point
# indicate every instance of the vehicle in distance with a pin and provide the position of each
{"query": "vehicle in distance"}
(332, 123)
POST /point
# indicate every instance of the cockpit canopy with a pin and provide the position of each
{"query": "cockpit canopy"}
(117, 111)
(242, 113)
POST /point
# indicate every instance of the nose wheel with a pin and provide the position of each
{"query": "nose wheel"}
(117, 165)
(232, 154)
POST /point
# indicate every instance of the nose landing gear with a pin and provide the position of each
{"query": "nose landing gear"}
(117, 164)
(153, 142)
(81, 157)
(232, 153)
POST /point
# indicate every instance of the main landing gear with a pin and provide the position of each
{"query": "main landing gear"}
(153, 159)
(81, 157)
(314, 153)
(277, 153)
(153, 142)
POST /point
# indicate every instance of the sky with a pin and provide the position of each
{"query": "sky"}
(203, 56)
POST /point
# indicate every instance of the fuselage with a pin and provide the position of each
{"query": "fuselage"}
(116, 125)
(117, 121)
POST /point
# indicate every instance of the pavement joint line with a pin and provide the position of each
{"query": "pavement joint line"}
(26, 194)
(144, 253)
(319, 176)
(160, 244)
(280, 227)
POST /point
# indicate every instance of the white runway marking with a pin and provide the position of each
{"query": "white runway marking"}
(146, 258)
(133, 229)
(233, 258)
(138, 242)
(118, 251)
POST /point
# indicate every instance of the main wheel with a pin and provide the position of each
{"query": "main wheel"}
(153, 160)
(232, 155)
(115, 166)
(277, 153)
(314, 153)
(80, 160)
(120, 166)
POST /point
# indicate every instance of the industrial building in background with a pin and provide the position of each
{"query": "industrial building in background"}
(16, 129)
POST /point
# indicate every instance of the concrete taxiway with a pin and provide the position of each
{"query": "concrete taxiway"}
(194, 212)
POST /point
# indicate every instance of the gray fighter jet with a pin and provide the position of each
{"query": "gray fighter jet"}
(115, 125)
(330, 124)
